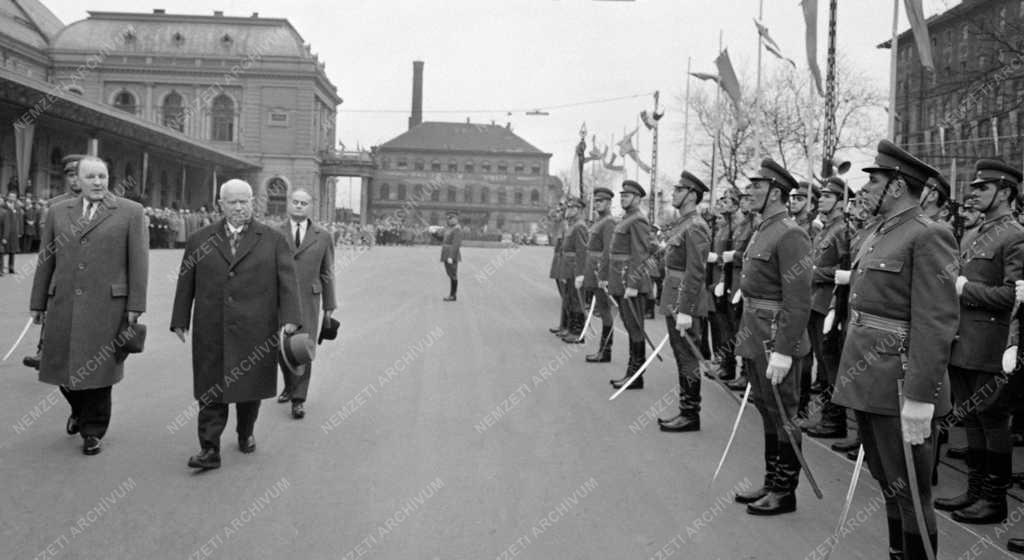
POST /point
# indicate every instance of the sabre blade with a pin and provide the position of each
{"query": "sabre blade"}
(849, 497)
(732, 436)
(21, 336)
(590, 316)
(650, 359)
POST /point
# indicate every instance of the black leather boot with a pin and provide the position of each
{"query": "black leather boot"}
(689, 412)
(782, 496)
(975, 478)
(895, 539)
(636, 358)
(832, 424)
(631, 367)
(991, 506)
(1015, 545)
(604, 352)
(562, 320)
(575, 336)
(913, 546)
(771, 442)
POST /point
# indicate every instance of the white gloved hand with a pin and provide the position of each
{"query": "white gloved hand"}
(1019, 291)
(916, 418)
(720, 289)
(728, 256)
(830, 319)
(960, 281)
(632, 292)
(683, 322)
(578, 282)
(712, 257)
(778, 367)
(842, 277)
(737, 297)
(1010, 359)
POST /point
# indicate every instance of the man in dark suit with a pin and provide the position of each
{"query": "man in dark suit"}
(240, 276)
(11, 230)
(314, 266)
(89, 284)
(451, 252)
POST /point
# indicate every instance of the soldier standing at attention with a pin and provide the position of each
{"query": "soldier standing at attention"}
(684, 300)
(740, 239)
(451, 252)
(574, 251)
(890, 342)
(556, 271)
(628, 280)
(803, 203)
(595, 277)
(777, 303)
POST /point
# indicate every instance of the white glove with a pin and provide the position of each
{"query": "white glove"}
(449, 261)
(737, 297)
(830, 318)
(727, 256)
(1019, 291)
(842, 277)
(916, 418)
(778, 367)
(960, 281)
(602, 284)
(1010, 359)
(578, 282)
(712, 257)
(683, 322)
(719, 289)
(632, 292)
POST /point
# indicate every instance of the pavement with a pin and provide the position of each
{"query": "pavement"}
(433, 431)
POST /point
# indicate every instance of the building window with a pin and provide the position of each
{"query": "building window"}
(417, 193)
(502, 196)
(451, 193)
(535, 170)
(434, 218)
(222, 117)
(519, 198)
(435, 165)
(469, 167)
(467, 194)
(277, 197)
(419, 165)
(520, 168)
(401, 163)
(385, 163)
(173, 112)
(485, 195)
(535, 197)
(385, 192)
(964, 33)
(485, 167)
(401, 191)
(435, 193)
(125, 101)
(500, 221)
(502, 167)
(453, 167)
(277, 117)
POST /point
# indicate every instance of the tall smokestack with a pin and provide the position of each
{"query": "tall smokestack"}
(417, 94)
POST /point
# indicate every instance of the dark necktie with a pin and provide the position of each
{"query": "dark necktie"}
(233, 241)
(90, 211)
(298, 228)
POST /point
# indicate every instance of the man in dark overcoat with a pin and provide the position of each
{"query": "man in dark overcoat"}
(237, 288)
(451, 253)
(314, 265)
(12, 229)
(90, 283)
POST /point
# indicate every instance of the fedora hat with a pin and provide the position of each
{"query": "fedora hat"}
(329, 329)
(297, 350)
(132, 338)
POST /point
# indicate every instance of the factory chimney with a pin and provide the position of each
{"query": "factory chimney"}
(417, 94)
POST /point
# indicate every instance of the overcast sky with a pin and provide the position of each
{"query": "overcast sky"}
(485, 58)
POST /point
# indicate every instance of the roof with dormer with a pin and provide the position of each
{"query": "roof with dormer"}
(462, 137)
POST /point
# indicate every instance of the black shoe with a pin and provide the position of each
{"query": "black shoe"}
(669, 420)
(31, 361)
(208, 458)
(846, 445)
(638, 383)
(599, 357)
(738, 384)
(982, 512)
(773, 503)
(247, 444)
(824, 430)
(957, 502)
(750, 497)
(561, 332)
(91, 445)
(553, 330)
(285, 396)
(1015, 545)
(72, 425)
(852, 454)
(298, 412)
(957, 452)
(684, 423)
(449, 298)
(574, 338)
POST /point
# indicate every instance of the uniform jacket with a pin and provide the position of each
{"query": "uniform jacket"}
(90, 274)
(992, 259)
(725, 229)
(574, 251)
(556, 257)
(314, 269)
(831, 247)
(742, 230)
(686, 251)
(599, 241)
(451, 245)
(235, 307)
(632, 239)
(905, 271)
(775, 268)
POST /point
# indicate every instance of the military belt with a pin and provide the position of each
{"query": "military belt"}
(895, 326)
(766, 304)
(676, 273)
(595, 254)
(620, 256)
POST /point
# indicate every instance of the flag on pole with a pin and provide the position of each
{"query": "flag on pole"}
(811, 22)
(995, 133)
(942, 139)
(769, 44)
(915, 13)
(706, 77)
(727, 79)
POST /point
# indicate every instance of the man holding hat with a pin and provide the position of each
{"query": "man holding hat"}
(831, 248)
(628, 280)
(595, 275)
(574, 252)
(451, 253)
(992, 259)
(684, 300)
(903, 317)
(777, 296)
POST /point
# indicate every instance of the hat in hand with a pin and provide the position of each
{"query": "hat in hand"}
(132, 338)
(329, 329)
(297, 350)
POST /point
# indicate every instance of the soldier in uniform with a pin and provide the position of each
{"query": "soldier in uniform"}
(803, 204)
(556, 271)
(628, 280)
(595, 275)
(740, 239)
(574, 250)
(684, 299)
(889, 342)
(992, 258)
(722, 317)
(451, 252)
(935, 199)
(777, 299)
(831, 247)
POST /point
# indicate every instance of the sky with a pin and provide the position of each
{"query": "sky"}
(486, 58)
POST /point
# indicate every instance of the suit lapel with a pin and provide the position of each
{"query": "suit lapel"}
(249, 240)
(311, 232)
(104, 210)
(219, 238)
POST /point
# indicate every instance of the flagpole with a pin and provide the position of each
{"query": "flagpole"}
(760, 46)
(686, 116)
(718, 125)
(830, 135)
(893, 58)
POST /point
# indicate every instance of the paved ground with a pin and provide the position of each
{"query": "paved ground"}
(434, 431)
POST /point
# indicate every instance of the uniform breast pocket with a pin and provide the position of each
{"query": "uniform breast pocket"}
(894, 266)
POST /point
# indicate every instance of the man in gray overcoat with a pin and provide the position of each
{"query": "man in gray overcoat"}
(237, 288)
(90, 284)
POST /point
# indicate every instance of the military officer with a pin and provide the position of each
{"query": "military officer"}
(803, 203)
(574, 251)
(556, 271)
(684, 299)
(595, 275)
(451, 252)
(992, 258)
(628, 280)
(777, 299)
(935, 199)
(890, 342)
(722, 259)
(740, 239)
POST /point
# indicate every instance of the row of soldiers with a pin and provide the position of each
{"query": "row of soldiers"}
(902, 319)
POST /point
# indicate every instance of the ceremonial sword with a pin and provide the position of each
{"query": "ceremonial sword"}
(586, 323)
(849, 497)
(788, 427)
(735, 425)
(639, 371)
(915, 495)
(705, 368)
(20, 338)
(632, 312)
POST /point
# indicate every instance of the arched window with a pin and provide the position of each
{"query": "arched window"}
(485, 166)
(435, 165)
(485, 195)
(519, 198)
(125, 101)
(452, 166)
(401, 191)
(535, 197)
(385, 192)
(277, 197)
(222, 117)
(469, 167)
(174, 112)
(502, 196)
(502, 167)
(435, 193)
